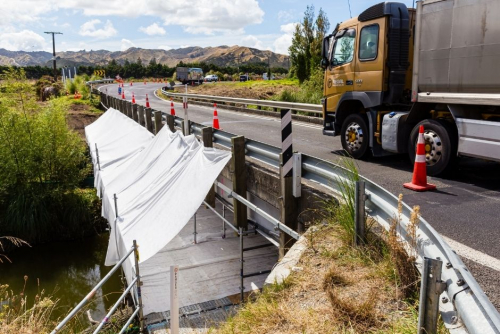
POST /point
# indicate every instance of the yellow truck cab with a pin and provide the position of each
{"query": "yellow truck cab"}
(392, 69)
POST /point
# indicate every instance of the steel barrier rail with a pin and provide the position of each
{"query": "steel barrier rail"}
(102, 81)
(313, 108)
(464, 293)
(92, 293)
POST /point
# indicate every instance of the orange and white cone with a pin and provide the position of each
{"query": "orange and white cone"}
(133, 97)
(123, 94)
(172, 110)
(131, 83)
(144, 81)
(147, 101)
(419, 180)
(215, 124)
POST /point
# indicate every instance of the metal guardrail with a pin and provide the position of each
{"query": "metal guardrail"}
(312, 108)
(464, 297)
(135, 283)
(102, 81)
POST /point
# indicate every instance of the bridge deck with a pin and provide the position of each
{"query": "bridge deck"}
(209, 271)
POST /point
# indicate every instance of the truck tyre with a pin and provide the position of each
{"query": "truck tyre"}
(441, 145)
(354, 135)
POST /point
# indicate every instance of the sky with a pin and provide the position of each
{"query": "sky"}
(117, 25)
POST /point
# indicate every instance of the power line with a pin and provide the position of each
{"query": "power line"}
(54, 50)
(349, 3)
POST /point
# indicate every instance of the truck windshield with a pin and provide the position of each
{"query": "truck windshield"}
(343, 50)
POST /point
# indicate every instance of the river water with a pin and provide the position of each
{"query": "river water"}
(65, 270)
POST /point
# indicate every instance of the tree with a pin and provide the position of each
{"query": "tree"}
(305, 51)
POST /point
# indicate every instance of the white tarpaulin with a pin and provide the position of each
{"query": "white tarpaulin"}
(159, 183)
(118, 138)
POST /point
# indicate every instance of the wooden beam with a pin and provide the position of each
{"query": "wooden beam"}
(207, 137)
(171, 122)
(158, 121)
(238, 167)
(140, 111)
(149, 119)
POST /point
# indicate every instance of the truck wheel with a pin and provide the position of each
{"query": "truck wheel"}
(354, 135)
(441, 144)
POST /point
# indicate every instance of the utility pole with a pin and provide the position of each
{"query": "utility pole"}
(54, 50)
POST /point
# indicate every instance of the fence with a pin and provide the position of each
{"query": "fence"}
(463, 303)
(136, 296)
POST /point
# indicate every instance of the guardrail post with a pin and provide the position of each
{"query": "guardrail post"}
(289, 205)
(140, 110)
(112, 102)
(158, 122)
(207, 137)
(128, 109)
(135, 113)
(242, 287)
(149, 119)
(121, 106)
(359, 213)
(171, 122)
(239, 173)
(139, 284)
(431, 287)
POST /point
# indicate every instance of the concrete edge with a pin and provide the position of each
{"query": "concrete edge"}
(284, 267)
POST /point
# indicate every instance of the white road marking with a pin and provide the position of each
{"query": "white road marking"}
(473, 255)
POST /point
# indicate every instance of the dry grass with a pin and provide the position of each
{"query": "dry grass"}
(340, 289)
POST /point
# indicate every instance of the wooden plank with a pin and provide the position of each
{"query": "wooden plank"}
(149, 119)
(171, 122)
(140, 111)
(158, 121)
(289, 214)
(238, 167)
(135, 112)
(207, 137)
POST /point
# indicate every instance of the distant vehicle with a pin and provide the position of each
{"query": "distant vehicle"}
(211, 77)
(244, 77)
(264, 76)
(189, 75)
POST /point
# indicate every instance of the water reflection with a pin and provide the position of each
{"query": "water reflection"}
(66, 270)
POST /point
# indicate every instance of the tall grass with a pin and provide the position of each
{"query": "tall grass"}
(310, 91)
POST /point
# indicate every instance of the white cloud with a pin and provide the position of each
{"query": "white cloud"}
(126, 44)
(26, 40)
(153, 29)
(165, 47)
(89, 29)
(253, 42)
(286, 15)
(282, 43)
(195, 16)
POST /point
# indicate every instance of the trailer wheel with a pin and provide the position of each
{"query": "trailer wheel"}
(441, 144)
(354, 135)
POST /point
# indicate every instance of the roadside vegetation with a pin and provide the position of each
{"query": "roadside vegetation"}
(338, 287)
(42, 165)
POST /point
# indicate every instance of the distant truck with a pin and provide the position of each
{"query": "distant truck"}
(392, 69)
(189, 75)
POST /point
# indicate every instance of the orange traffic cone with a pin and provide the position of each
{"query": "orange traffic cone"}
(147, 101)
(215, 124)
(123, 94)
(144, 81)
(131, 83)
(419, 181)
(133, 97)
(172, 110)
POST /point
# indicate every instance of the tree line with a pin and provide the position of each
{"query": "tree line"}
(153, 69)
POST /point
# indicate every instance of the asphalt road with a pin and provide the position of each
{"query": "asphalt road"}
(465, 207)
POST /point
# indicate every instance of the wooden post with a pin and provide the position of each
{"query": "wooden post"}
(206, 135)
(140, 110)
(128, 109)
(149, 119)
(122, 106)
(289, 203)
(158, 122)
(135, 113)
(171, 122)
(238, 167)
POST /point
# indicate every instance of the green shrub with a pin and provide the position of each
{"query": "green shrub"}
(41, 164)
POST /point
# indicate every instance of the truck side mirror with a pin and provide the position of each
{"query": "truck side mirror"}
(324, 63)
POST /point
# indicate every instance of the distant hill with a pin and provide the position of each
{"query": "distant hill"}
(221, 56)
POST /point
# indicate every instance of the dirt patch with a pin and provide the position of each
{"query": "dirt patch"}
(260, 92)
(79, 116)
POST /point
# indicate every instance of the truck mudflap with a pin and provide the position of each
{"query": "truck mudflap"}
(478, 138)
